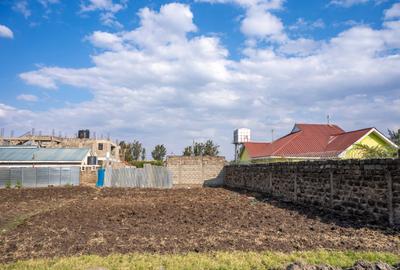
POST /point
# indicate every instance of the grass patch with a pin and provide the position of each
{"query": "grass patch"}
(216, 260)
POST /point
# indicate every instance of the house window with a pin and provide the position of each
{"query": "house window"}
(100, 146)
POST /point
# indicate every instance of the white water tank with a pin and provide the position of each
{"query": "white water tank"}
(241, 135)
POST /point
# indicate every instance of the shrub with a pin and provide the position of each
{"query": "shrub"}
(140, 163)
(8, 184)
(18, 184)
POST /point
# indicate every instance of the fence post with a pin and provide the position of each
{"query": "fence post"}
(388, 177)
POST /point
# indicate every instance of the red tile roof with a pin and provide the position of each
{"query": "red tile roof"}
(308, 140)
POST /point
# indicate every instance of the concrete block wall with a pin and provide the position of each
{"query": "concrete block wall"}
(196, 170)
(88, 177)
(363, 188)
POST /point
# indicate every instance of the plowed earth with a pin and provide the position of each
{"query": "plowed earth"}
(68, 221)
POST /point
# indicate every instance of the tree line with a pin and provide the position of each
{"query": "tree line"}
(135, 151)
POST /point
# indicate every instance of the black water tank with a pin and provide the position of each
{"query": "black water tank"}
(83, 134)
(92, 160)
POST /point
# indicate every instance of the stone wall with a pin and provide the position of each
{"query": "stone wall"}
(196, 170)
(365, 188)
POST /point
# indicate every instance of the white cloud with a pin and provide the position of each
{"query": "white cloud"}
(302, 24)
(262, 24)
(27, 97)
(393, 12)
(107, 8)
(350, 3)
(22, 7)
(156, 79)
(106, 40)
(6, 32)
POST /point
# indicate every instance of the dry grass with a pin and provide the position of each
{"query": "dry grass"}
(216, 260)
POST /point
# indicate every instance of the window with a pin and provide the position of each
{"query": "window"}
(100, 146)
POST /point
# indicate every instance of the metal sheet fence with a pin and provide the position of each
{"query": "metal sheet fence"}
(147, 177)
(39, 177)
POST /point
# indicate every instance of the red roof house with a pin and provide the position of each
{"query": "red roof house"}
(314, 141)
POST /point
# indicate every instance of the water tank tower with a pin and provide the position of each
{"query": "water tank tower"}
(240, 136)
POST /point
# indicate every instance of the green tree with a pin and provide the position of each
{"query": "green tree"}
(375, 151)
(126, 151)
(394, 136)
(136, 148)
(159, 152)
(210, 149)
(144, 153)
(198, 149)
(188, 151)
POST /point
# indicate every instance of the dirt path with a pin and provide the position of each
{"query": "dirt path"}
(72, 221)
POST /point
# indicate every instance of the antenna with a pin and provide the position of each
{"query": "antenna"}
(53, 133)
(272, 135)
(2, 132)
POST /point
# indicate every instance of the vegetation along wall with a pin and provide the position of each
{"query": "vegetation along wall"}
(366, 188)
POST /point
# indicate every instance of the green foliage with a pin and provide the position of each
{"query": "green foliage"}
(159, 152)
(18, 184)
(394, 136)
(375, 151)
(8, 184)
(209, 148)
(136, 148)
(140, 163)
(144, 153)
(126, 151)
(214, 260)
(132, 151)
(188, 151)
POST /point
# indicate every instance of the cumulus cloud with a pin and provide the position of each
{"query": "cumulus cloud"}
(6, 32)
(159, 84)
(393, 12)
(27, 97)
(262, 24)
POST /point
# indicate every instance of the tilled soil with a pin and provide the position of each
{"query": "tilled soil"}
(81, 220)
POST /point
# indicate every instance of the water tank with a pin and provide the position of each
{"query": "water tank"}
(241, 135)
(92, 160)
(84, 134)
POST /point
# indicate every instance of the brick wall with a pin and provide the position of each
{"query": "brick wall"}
(196, 170)
(366, 188)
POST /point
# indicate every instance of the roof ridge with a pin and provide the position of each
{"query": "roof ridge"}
(346, 132)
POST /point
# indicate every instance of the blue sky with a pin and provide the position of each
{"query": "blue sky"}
(171, 72)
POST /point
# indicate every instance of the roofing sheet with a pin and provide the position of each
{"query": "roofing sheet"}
(308, 140)
(42, 154)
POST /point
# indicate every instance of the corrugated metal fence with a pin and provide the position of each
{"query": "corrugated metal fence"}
(147, 177)
(39, 177)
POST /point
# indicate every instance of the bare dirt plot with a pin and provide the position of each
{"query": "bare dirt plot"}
(78, 220)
